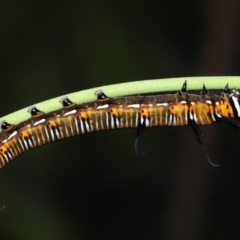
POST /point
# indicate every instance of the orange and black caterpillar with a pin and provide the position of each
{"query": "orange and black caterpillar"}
(181, 108)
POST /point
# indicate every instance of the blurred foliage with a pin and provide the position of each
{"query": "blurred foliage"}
(93, 186)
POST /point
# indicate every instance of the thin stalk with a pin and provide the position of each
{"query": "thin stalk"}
(129, 88)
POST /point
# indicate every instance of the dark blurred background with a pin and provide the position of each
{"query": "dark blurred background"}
(94, 186)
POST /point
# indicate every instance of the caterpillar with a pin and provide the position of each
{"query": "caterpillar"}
(178, 109)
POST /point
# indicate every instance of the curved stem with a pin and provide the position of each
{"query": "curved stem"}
(129, 88)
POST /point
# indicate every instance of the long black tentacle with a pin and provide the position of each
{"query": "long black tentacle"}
(138, 142)
(201, 140)
(231, 121)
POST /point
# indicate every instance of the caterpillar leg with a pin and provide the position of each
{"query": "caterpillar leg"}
(201, 140)
(138, 141)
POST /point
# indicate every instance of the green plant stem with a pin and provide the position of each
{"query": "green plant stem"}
(129, 88)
